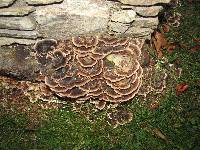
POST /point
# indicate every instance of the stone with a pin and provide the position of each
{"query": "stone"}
(123, 16)
(42, 2)
(120, 28)
(72, 17)
(143, 2)
(148, 11)
(139, 22)
(9, 41)
(117, 27)
(67, 18)
(19, 34)
(17, 23)
(16, 11)
(140, 32)
(145, 22)
(5, 3)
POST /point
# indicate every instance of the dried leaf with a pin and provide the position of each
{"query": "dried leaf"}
(159, 134)
(165, 27)
(160, 42)
(197, 40)
(171, 47)
(195, 49)
(180, 88)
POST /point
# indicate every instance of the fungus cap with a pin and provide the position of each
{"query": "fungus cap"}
(100, 67)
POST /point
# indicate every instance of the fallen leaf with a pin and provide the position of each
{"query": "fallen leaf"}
(195, 49)
(159, 134)
(160, 42)
(197, 40)
(171, 47)
(165, 27)
(180, 88)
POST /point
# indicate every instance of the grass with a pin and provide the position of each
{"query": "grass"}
(177, 117)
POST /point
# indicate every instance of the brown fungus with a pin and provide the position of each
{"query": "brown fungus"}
(75, 92)
(60, 73)
(154, 80)
(119, 117)
(122, 84)
(50, 82)
(42, 59)
(58, 59)
(44, 46)
(92, 85)
(99, 67)
(91, 71)
(98, 104)
(86, 61)
(85, 41)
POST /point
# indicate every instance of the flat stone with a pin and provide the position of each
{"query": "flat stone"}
(118, 27)
(151, 23)
(42, 2)
(17, 23)
(123, 16)
(143, 2)
(9, 41)
(19, 34)
(140, 32)
(72, 17)
(5, 3)
(148, 11)
(139, 28)
(17, 11)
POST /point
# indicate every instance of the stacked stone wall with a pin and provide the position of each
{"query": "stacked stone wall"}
(25, 21)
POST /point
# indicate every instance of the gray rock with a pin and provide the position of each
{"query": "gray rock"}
(42, 2)
(123, 16)
(145, 22)
(16, 11)
(143, 2)
(148, 11)
(17, 23)
(140, 32)
(72, 17)
(5, 3)
(141, 27)
(76, 17)
(118, 27)
(19, 34)
(9, 41)
(124, 29)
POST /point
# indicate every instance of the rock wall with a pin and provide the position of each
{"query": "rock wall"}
(25, 21)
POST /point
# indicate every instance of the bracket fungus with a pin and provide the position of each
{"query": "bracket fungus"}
(155, 80)
(100, 67)
(119, 117)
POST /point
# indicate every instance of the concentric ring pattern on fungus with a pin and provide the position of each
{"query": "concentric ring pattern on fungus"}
(102, 67)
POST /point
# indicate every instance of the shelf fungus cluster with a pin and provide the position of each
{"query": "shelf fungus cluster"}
(119, 117)
(95, 67)
(154, 80)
